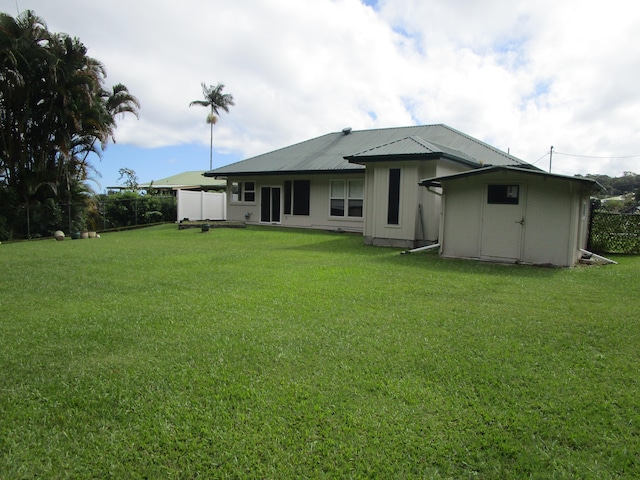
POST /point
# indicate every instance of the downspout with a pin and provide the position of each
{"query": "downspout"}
(420, 214)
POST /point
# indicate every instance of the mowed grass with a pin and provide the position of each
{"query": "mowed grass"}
(272, 353)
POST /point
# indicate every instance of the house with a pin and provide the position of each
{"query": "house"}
(363, 181)
(514, 214)
(192, 180)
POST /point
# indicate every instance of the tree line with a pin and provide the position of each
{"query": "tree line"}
(55, 112)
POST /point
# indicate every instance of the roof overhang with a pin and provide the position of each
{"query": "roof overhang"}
(362, 160)
(437, 181)
(340, 171)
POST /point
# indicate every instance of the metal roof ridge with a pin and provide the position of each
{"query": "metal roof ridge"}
(396, 128)
(415, 138)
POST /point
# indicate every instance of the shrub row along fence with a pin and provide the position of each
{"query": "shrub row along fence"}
(100, 213)
(614, 232)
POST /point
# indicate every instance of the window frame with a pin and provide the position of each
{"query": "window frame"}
(394, 196)
(346, 197)
(297, 197)
(503, 194)
(243, 194)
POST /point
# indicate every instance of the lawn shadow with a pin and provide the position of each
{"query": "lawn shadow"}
(431, 261)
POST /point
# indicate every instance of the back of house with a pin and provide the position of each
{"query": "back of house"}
(363, 181)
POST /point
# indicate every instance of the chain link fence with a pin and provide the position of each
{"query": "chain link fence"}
(97, 214)
(614, 232)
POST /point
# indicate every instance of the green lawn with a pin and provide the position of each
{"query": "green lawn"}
(271, 353)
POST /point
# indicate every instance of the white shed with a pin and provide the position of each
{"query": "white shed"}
(515, 215)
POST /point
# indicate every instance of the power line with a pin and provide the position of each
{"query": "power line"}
(540, 158)
(591, 156)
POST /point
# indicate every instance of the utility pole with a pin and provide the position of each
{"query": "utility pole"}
(550, 158)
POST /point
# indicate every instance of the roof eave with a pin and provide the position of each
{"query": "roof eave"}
(409, 157)
(437, 181)
(272, 173)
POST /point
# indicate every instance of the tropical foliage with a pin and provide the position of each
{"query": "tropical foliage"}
(54, 112)
(129, 208)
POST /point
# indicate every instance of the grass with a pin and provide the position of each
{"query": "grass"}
(268, 353)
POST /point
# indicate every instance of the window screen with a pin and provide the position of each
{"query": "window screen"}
(393, 209)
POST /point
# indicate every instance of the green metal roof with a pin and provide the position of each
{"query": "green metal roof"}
(408, 148)
(327, 153)
(191, 179)
(437, 181)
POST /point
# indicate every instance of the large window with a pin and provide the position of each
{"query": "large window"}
(393, 208)
(243, 192)
(297, 197)
(346, 198)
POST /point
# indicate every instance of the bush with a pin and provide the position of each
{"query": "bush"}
(130, 208)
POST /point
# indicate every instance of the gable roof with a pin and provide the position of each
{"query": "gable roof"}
(408, 148)
(437, 181)
(348, 151)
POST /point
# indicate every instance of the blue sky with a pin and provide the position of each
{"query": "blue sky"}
(520, 75)
(154, 163)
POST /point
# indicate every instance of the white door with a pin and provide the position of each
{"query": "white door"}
(502, 222)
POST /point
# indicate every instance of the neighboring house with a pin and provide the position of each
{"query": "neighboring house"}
(358, 181)
(516, 215)
(194, 180)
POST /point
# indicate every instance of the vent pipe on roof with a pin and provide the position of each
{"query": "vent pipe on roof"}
(346, 131)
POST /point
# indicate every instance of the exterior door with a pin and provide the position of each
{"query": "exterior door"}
(503, 222)
(270, 204)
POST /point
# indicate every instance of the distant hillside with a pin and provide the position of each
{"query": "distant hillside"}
(628, 183)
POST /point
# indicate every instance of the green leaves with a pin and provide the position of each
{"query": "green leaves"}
(53, 109)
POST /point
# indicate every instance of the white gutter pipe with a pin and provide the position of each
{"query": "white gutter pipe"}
(593, 255)
(422, 249)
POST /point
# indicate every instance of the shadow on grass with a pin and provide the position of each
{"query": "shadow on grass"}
(429, 260)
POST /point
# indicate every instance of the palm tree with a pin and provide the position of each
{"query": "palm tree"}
(215, 100)
(53, 110)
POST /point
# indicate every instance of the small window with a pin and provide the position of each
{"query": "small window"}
(503, 194)
(243, 192)
(249, 191)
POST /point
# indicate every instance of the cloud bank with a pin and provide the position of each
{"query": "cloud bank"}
(520, 75)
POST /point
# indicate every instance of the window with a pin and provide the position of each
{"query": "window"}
(503, 194)
(249, 191)
(297, 197)
(243, 192)
(355, 198)
(346, 198)
(393, 207)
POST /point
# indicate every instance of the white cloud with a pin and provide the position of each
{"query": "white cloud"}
(518, 74)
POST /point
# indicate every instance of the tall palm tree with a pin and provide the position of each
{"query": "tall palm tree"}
(215, 100)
